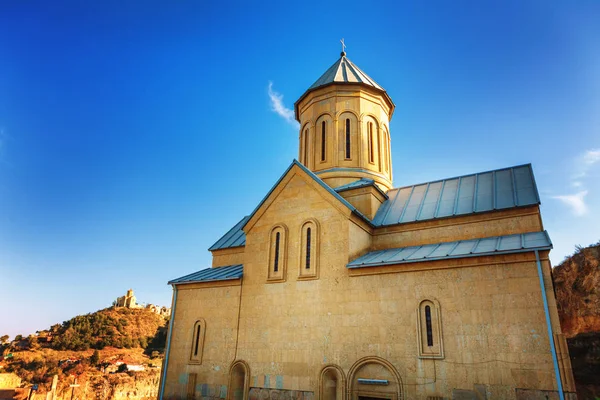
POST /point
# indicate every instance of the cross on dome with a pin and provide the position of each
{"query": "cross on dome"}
(343, 54)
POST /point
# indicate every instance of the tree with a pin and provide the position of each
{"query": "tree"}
(3, 339)
(95, 358)
(18, 338)
(32, 342)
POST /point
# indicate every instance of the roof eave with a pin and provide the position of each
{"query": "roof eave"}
(494, 253)
(174, 282)
(381, 92)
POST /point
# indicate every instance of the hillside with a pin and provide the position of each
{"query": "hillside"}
(115, 327)
(577, 286)
(113, 353)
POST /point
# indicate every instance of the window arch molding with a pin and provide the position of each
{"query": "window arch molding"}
(429, 329)
(329, 376)
(323, 138)
(325, 114)
(371, 129)
(308, 267)
(239, 381)
(277, 268)
(197, 348)
(304, 145)
(340, 114)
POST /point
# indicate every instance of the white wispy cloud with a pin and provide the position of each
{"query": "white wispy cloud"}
(591, 157)
(582, 166)
(585, 162)
(279, 108)
(575, 201)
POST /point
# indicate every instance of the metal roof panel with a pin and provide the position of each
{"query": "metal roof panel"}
(468, 194)
(235, 237)
(344, 71)
(459, 249)
(211, 274)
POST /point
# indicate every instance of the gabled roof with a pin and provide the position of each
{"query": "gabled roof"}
(235, 237)
(468, 194)
(344, 71)
(362, 182)
(317, 180)
(211, 275)
(459, 249)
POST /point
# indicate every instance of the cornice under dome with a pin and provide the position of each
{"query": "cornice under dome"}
(344, 71)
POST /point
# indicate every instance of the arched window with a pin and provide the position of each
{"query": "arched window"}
(323, 141)
(309, 258)
(305, 147)
(197, 342)
(371, 147)
(429, 326)
(277, 253)
(347, 138)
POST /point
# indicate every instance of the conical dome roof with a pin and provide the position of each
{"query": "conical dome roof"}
(344, 71)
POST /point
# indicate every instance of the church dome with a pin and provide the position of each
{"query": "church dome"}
(344, 127)
(344, 71)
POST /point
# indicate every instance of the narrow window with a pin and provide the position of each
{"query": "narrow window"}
(308, 260)
(198, 329)
(197, 342)
(308, 248)
(276, 263)
(323, 141)
(347, 138)
(371, 153)
(429, 327)
(306, 147)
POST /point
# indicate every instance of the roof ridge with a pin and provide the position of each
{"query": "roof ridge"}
(316, 179)
(463, 176)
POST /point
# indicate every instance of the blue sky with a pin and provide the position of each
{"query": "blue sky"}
(132, 136)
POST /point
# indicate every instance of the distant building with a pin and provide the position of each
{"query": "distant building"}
(127, 301)
(164, 311)
(130, 301)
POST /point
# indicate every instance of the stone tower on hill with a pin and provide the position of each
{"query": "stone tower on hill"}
(127, 301)
(340, 287)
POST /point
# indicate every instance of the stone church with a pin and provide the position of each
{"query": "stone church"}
(340, 286)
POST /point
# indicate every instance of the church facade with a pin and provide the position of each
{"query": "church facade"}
(340, 286)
